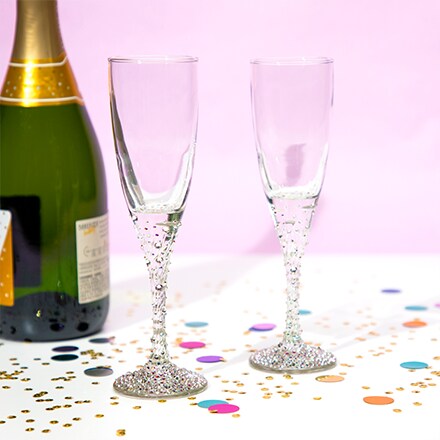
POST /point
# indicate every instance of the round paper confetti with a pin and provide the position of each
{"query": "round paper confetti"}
(101, 340)
(304, 312)
(196, 324)
(223, 408)
(210, 359)
(65, 348)
(413, 365)
(416, 308)
(414, 324)
(378, 400)
(212, 402)
(64, 357)
(329, 378)
(263, 327)
(98, 371)
(192, 344)
(391, 291)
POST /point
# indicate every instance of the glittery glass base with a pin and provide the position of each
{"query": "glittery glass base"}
(160, 381)
(292, 358)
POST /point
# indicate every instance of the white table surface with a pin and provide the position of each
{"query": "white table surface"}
(350, 315)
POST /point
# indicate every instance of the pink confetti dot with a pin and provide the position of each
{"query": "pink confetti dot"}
(192, 344)
(223, 408)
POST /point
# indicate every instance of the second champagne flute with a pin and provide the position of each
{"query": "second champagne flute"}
(154, 114)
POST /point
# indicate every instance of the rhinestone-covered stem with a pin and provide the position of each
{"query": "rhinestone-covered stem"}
(292, 222)
(157, 234)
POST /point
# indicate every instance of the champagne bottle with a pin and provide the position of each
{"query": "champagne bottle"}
(54, 273)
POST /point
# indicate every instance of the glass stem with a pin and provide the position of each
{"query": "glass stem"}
(157, 234)
(292, 222)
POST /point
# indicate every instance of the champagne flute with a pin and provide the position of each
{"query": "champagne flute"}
(154, 111)
(291, 102)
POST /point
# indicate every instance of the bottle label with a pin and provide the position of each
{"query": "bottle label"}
(92, 258)
(6, 260)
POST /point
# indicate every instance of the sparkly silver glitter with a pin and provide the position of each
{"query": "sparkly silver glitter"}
(293, 358)
(159, 381)
(159, 378)
(292, 219)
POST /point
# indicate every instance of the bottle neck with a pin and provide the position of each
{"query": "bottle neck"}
(39, 73)
(37, 32)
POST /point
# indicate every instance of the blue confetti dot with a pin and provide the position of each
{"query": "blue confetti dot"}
(391, 291)
(414, 365)
(416, 308)
(196, 324)
(304, 312)
(208, 403)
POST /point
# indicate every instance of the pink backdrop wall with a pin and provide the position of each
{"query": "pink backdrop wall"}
(382, 190)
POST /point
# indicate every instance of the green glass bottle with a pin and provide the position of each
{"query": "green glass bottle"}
(54, 271)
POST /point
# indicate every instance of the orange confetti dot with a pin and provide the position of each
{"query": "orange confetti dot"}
(378, 400)
(414, 324)
(329, 378)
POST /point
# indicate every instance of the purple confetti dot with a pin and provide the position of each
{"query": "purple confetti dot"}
(65, 348)
(222, 408)
(210, 359)
(391, 291)
(192, 344)
(263, 327)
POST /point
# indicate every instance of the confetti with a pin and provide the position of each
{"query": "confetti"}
(209, 403)
(192, 344)
(391, 291)
(262, 327)
(196, 324)
(64, 357)
(414, 324)
(378, 400)
(210, 359)
(223, 408)
(304, 312)
(416, 308)
(414, 365)
(65, 348)
(101, 340)
(329, 378)
(98, 371)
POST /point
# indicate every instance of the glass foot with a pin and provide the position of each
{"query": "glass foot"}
(292, 358)
(160, 381)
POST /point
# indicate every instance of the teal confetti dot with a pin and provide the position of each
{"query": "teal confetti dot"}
(416, 308)
(304, 312)
(208, 403)
(414, 365)
(196, 324)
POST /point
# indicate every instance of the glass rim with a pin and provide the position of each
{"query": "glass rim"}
(292, 61)
(153, 59)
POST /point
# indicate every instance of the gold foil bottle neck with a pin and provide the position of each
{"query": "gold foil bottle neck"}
(39, 73)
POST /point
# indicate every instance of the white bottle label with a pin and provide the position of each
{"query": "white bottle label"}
(92, 258)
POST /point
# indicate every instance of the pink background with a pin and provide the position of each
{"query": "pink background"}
(382, 190)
